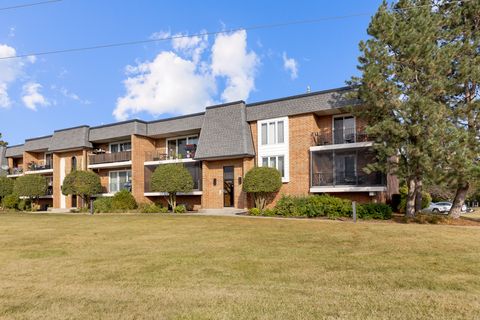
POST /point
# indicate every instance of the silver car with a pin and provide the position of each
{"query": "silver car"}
(442, 207)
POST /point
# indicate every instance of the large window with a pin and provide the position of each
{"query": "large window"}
(120, 180)
(277, 162)
(120, 146)
(272, 132)
(177, 146)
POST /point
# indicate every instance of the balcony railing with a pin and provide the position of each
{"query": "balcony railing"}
(13, 171)
(347, 178)
(110, 157)
(40, 165)
(160, 156)
(339, 136)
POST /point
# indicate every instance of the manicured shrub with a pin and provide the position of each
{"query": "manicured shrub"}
(152, 208)
(102, 205)
(6, 187)
(123, 200)
(261, 182)
(82, 183)
(374, 211)
(10, 201)
(313, 206)
(181, 208)
(172, 178)
(255, 212)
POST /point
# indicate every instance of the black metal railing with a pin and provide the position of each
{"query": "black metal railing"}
(347, 178)
(188, 153)
(110, 157)
(339, 136)
(40, 165)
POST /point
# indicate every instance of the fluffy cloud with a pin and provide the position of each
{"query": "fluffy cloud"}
(184, 80)
(11, 70)
(290, 65)
(168, 84)
(31, 97)
(231, 59)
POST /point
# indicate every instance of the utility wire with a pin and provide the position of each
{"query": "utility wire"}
(29, 5)
(200, 34)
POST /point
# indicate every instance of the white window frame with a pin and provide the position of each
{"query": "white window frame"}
(275, 122)
(276, 162)
(118, 144)
(277, 149)
(177, 138)
(343, 116)
(110, 178)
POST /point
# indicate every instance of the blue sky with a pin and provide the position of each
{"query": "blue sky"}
(157, 80)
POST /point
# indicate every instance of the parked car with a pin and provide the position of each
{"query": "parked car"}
(443, 207)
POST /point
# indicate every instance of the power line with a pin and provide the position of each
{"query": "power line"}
(29, 5)
(179, 36)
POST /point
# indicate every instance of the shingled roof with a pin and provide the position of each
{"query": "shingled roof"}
(72, 138)
(38, 144)
(305, 103)
(225, 133)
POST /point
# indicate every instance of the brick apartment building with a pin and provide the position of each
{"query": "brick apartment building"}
(311, 138)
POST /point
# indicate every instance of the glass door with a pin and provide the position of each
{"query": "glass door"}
(228, 186)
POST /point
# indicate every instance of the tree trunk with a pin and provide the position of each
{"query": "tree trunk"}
(410, 207)
(459, 200)
(418, 195)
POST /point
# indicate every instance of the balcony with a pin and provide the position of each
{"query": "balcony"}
(347, 178)
(343, 171)
(188, 154)
(109, 160)
(39, 167)
(339, 136)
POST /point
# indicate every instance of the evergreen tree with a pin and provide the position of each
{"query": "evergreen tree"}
(403, 74)
(461, 40)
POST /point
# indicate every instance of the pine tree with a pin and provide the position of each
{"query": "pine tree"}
(403, 74)
(460, 39)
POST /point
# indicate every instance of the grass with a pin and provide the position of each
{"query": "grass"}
(185, 267)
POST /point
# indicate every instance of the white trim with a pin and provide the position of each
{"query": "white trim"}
(14, 175)
(354, 145)
(346, 189)
(110, 165)
(63, 198)
(39, 171)
(117, 171)
(103, 195)
(118, 143)
(187, 137)
(155, 194)
(277, 149)
(152, 163)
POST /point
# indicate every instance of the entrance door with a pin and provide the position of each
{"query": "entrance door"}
(228, 179)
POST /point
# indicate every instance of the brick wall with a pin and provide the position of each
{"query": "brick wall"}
(213, 194)
(140, 145)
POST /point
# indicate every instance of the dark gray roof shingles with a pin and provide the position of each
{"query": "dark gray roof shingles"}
(225, 133)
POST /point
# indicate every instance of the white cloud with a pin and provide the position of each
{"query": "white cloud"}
(231, 59)
(32, 98)
(168, 84)
(290, 65)
(184, 80)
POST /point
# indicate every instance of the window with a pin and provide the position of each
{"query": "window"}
(120, 180)
(344, 129)
(120, 147)
(178, 146)
(273, 132)
(277, 162)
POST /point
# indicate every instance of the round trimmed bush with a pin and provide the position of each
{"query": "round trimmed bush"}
(123, 200)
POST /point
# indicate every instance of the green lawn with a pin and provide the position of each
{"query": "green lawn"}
(186, 267)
